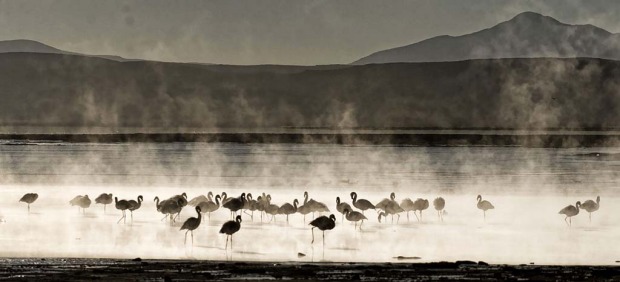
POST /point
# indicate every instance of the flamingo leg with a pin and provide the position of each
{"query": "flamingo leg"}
(416, 216)
(185, 241)
(192, 238)
(119, 220)
(361, 225)
(312, 229)
(166, 215)
(323, 240)
(226, 247)
(570, 220)
(589, 216)
(485, 215)
(104, 208)
(28, 208)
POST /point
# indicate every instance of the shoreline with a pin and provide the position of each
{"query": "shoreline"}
(535, 140)
(197, 270)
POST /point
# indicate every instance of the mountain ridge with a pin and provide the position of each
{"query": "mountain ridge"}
(33, 46)
(526, 35)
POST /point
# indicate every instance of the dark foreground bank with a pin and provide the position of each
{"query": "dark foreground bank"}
(546, 140)
(108, 269)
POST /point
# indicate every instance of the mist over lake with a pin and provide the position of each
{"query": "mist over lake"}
(222, 166)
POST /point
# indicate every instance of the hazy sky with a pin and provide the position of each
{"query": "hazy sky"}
(268, 31)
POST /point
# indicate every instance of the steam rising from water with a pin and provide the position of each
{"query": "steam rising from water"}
(527, 186)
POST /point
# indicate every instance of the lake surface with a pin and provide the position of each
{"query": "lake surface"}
(310, 166)
(527, 186)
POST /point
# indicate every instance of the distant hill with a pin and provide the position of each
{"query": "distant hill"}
(527, 35)
(31, 46)
(39, 89)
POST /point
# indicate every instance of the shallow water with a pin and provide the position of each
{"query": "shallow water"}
(527, 186)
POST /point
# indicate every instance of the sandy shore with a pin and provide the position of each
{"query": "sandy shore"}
(60, 269)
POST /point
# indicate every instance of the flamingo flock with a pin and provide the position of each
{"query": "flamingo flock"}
(245, 203)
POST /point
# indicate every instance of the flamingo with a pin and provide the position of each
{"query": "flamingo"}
(340, 207)
(392, 208)
(250, 205)
(262, 202)
(159, 205)
(225, 198)
(198, 199)
(439, 204)
(29, 198)
(315, 206)
(168, 207)
(174, 207)
(104, 199)
(122, 205)
(82, 202)
(407, 205)
(381, 205)
(288, 209)
(181, 199)
(271, 208)
(191, 224)
(134, 205)
(591, 206)
(419, 205)
(323, 223)
(355, 217)
(570, 211)
(361, 204)
(229, 228)
(304, 210)
(209, 206)
(234, 204)
(484, 206)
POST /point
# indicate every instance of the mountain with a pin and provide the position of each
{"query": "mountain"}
(31, 46)
(46, 90)
(527, 35)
